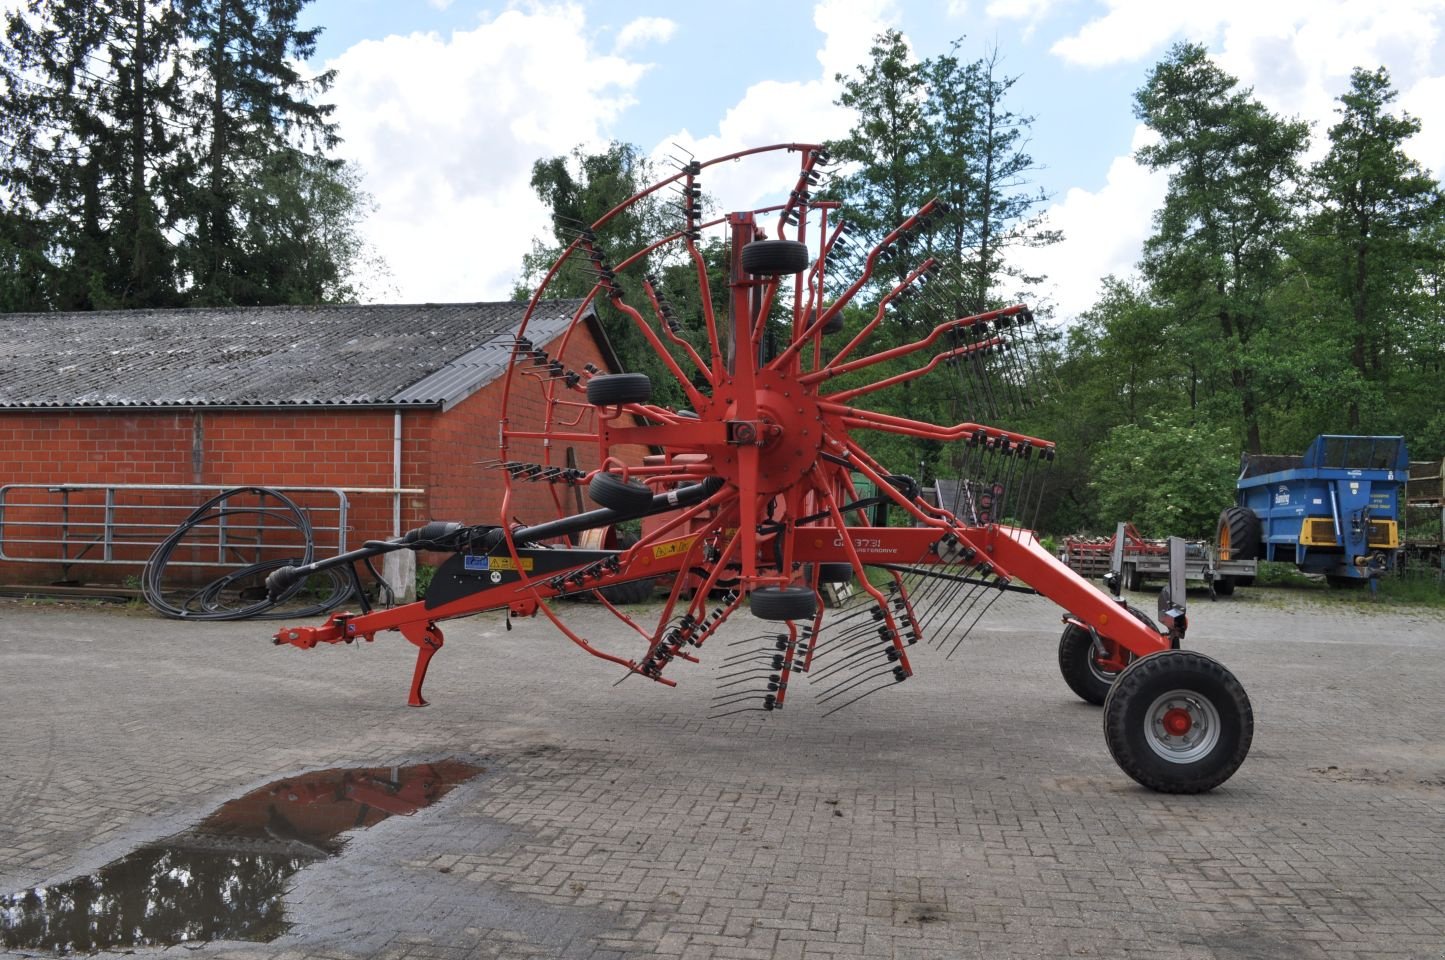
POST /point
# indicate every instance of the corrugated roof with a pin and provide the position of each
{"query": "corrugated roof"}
(422, 354)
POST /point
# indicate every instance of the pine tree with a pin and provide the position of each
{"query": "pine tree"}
(1369, 235)
(887, 145)
(90, 126)
(977, 161)
(1216, 255)
(255, 117)
(165, 152)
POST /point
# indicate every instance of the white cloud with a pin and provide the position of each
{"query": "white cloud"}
(642, 31)
(848, 28)
(1031, 10)
(446, 131)
(1104, 231)
(771, 111)
(1296, 55)
(1426, 102)
(441, 4)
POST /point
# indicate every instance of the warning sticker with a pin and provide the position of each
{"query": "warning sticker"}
(672, 549)
(483, 564)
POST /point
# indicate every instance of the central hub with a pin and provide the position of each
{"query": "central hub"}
(788, 433)
(1177, 722)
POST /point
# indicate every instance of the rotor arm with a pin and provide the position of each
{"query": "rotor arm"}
(871, 420)
(869, 265)
(904, 350)
(916, 372)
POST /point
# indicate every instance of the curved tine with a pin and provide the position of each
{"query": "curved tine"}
(969, 629)
(853, 660)
(844, 641)
(741, 697)
(843, 688)
(753, 639)
(865, 693)
(733, 713)
(746, 676)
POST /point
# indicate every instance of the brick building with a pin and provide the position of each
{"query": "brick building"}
(358, 397)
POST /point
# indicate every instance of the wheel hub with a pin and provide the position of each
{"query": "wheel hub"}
(788, 434)
(1177, 722)
(1182, 726)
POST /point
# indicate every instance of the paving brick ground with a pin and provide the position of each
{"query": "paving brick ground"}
(972, 812)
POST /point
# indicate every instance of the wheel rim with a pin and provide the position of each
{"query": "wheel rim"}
(1181, 726)
(1098, 672)
(1104, 676)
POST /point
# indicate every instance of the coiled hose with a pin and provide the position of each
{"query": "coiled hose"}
(207, 603)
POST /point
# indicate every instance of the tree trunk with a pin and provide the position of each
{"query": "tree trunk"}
(140, 266)
(217, 215)
(1358, 351)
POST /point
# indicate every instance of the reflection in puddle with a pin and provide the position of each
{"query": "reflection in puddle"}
(223, 878)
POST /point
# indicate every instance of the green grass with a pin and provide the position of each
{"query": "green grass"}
(1284, 575)
(1416, 587)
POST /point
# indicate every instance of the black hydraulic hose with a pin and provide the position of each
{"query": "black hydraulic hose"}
(206, 603)
(455, 537)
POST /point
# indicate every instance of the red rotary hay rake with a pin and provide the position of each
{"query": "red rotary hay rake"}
(751, 491)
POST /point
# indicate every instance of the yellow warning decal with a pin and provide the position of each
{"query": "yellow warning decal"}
(505, 563)
(672, 549)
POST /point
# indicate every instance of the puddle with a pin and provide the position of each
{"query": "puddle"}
(223, 878)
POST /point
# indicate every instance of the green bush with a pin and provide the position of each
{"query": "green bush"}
(1170, 476)
(424, 573)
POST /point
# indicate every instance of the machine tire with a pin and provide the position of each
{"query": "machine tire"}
(624, 496)
(1224, 586)
(774, 258)
(633, 591)
(1076, 661)
(1133, 577)
(835, 573)
(1240, 534)
(783, 603)
(614, 388)
(1081, 673)
(1178, 722)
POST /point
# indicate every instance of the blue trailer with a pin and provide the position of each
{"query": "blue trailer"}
(1334, 511)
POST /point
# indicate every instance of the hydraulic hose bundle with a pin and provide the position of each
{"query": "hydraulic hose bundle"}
(209, 602)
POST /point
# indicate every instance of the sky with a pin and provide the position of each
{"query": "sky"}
(445, 104)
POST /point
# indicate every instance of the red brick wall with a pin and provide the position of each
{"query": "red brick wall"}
(289, 448)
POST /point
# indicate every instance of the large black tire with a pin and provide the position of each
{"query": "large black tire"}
(835, 573)
(1240, 534)
(633, 591)
(624, 496)
(783, 603)
(614, 388)
(771, 258)
(1076, 661)
(1178, 722)
(1133, 578)
(1224, 586)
